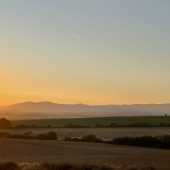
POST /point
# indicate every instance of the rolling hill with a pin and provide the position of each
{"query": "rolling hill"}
(49, 107)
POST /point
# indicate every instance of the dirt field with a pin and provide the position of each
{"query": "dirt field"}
(102, 133)
(74, 152)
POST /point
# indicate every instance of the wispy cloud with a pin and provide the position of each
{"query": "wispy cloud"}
(36, 75)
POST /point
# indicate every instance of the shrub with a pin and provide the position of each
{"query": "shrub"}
(91, 138)
(98, 125)
(28, 133)
(4, 123)
(68, 166)
(23, 126)
(67, 138)
(146, 141)
(77, 140)
(88, 138)
(113, 124)
(71, 125)
(61, 166)
(5, 135)
(21, 136)
(121, 140)
(164, 141)
(47, 136)
(9, 166)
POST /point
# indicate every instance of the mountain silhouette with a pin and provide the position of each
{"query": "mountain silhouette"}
(50, 107)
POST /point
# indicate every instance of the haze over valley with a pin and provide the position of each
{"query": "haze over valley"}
(55, 110)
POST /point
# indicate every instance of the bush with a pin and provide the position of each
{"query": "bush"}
(23, 126)
(21, 136)
(61, 166)
(66, 166)
(9, 166)
(4, 123)
(164, 141)
(113, 125)
(66, 138)
(88, 138)
(77, 140)
(144, 141)
(71, 125)
(5, 135)
(139, 124)
(47, 136)
(121, 140)
(98, 125)
(28, 133)
(91, 138)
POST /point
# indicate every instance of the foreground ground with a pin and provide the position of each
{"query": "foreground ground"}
(102, 133)
(82, 153)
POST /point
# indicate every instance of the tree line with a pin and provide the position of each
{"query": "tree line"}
(6, 124)
(161, 141)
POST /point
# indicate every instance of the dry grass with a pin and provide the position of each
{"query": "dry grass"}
(20, 150)
(65, 166)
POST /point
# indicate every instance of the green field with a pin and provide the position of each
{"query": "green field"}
(153, 120)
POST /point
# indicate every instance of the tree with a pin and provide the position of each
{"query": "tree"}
(4, 123)
(47, 136)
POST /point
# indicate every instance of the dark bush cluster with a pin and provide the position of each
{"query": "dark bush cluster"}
(4, 123)
(71, 125)
(5, 135)
(91, 138)
(23, 126)
(9, 166)
(67, 138)
(98, 125)
(164, 125)
(85, 138)
(47, 136)
(140, 124)
(66, 166)
(162, 141)
(28, 135)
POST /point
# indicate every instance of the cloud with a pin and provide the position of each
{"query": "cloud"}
(36, 75)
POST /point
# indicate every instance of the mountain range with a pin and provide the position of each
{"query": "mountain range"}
(49, 107)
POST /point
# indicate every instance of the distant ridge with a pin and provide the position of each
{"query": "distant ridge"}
(46, 106)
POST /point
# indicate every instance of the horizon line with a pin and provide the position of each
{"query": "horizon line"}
(87, 104)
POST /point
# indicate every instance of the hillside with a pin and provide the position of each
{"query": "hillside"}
(49, 107)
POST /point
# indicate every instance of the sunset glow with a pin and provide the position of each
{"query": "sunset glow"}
(91, 52)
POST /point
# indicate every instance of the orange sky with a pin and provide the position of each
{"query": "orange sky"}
(88, 52)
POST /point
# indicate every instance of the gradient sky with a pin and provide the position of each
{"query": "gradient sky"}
(85, 51)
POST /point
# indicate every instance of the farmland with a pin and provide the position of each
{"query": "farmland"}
(82, 153)
(102, 133)
(153, 120)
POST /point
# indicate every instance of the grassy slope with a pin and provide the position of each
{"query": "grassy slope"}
(154, 120)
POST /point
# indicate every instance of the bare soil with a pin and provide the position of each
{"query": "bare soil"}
(82, 153)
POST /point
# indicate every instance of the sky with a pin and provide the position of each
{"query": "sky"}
(92, 52)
